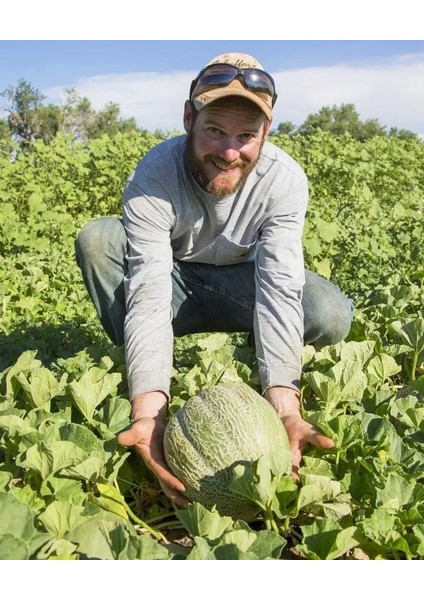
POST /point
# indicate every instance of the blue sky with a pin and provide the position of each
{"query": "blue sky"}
(149, 78)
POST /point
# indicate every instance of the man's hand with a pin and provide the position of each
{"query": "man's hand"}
(146, 434)
(286, 402)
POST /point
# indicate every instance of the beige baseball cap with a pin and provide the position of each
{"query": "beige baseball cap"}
(202, 95)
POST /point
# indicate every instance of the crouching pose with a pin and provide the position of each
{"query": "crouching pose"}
(211, 240)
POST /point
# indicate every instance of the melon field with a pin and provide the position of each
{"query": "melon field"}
(68, 491)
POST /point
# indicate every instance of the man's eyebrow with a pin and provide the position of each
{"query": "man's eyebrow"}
(252, 129)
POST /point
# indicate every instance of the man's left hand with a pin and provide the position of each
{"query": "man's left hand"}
(286, 402)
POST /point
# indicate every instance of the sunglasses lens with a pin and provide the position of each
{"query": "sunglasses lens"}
(218, 75)
(258, 80)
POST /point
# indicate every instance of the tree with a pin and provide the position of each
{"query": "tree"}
(5, 132)
(340, 120)
(78, 114)
(48, 120)
(84, 123)
(24, 100)
(107, 121)
(286, 127)
(402, 134)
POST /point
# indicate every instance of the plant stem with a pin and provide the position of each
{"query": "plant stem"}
(160, 517)
(285, 526)
(157, 534)
(414, 365)
(175, 524)
(153, 532)
(270, 521)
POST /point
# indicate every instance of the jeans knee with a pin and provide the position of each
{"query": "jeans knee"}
(334, 322)
(328, 312)
(96, 237)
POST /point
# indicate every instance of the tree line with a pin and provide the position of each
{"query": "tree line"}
(29, 118)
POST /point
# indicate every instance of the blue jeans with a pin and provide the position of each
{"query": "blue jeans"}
(205, 298)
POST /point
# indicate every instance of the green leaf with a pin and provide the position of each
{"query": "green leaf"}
(348, 431)
(201, 522)
(258, 481)
(58, 550)
(317, 489)
(412, 332)
(325, 387)
(17, 519)
(397, 492)
(326, 540)
(143, 548)
(107, 537)
(202, 550)
(40, 386)
(60, 517)
(92, 388)
(110, 500)
(235, 545)
(15, 425)
(380, 368)
(48, 460)
(101, 536)
(115, 414)
(351, 379)
(13, 548)
(267, 545)
(323, 267)
(357, 352)
(89, 469)
(25, 362)
(382, 535)
(77, 434)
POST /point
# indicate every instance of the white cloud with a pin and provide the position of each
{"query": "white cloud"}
(391, 91)
(155, 100)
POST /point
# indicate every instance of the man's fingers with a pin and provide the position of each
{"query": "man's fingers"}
(319, 440)
(164, 475)
(129, 437)
(174, 495)
(304, 434)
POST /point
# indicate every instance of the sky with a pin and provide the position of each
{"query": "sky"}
(149, 78)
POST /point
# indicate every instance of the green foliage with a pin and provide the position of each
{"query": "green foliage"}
(365, 213)
(5, 132)
(69, 492)
(30, 119)
(24, 104)
(339, 120)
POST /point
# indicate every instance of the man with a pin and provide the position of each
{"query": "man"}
(211, 240)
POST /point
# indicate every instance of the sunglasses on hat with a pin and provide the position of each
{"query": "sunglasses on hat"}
(222, 74)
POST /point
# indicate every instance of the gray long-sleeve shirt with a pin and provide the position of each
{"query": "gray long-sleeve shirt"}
(167, 215)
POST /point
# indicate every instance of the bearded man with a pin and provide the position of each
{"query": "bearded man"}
(211, 240)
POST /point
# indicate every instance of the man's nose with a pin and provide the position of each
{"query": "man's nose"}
(229, 151)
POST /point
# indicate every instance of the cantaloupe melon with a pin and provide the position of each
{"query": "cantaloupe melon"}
(223, 426)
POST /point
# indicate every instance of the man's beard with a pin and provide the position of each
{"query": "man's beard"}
(197, 168)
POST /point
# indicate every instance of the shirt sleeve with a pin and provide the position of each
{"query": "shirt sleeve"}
(148, 221)
(280, 277)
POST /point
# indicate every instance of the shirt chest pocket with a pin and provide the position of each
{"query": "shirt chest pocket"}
(229, 252)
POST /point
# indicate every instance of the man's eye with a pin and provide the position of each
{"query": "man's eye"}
(214, 131)
(246, 137)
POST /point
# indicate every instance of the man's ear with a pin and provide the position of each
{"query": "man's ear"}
(188, 116)
(267, 127)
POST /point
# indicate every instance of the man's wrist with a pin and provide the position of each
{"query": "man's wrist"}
(285, 400)
(153, 405)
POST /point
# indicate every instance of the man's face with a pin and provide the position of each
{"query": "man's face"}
(224, 143)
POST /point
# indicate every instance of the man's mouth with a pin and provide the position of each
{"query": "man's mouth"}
(225, 167)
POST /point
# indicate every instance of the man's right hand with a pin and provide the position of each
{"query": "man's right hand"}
(146, 434)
